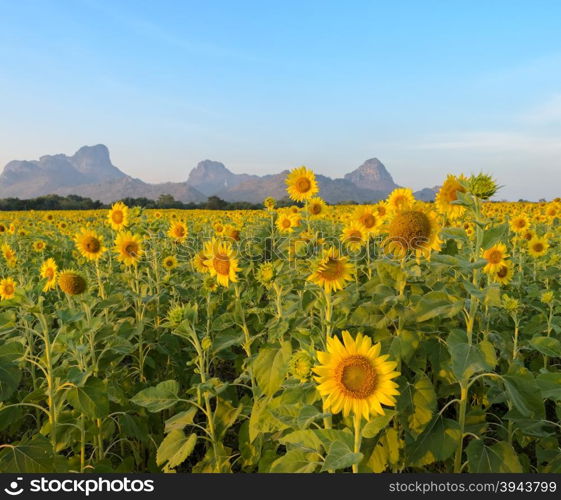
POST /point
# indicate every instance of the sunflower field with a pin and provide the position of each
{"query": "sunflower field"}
(400, 336)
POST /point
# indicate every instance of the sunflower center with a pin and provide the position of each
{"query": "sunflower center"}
(50, 273)
(357, 376)
(503, 271)
(179, 232)
(355, 236)
(8, 289)
(368, 221)
(286, 223)
(117, 217)
(332, 269)
(495, 257)
(92, 245)
(538, 247)
(303, 185)
(131, 249)
(410, 229)
(315, 208)
(221, 264)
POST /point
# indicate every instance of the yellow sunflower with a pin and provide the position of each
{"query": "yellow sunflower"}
(199, 260)
(416, 231)
(400, 199)
(495, 257)
(354, 378)
(89, 244)
(218, 227)
(447, 194)
(537, 247)
(354, 236)
(8, 252)
(332, 271)
(316, 207)
(301, 184)
(49, 271)
(504, 273)
(169, 262)
(128, 247)
(269, 203)
(368, 217)
(286, 222)
(178, 231)
(7, 288)
(231, 232)
(520, 223)
(72, 282)
(39, 246)
(221, 261)
(118, 216)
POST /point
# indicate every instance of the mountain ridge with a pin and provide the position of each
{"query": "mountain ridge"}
(89, 172)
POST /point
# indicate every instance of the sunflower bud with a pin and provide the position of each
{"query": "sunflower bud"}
(547, 297)
(300, 366)
(482, 185)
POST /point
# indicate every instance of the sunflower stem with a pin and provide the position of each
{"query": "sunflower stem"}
(462, 423)
(358, 439)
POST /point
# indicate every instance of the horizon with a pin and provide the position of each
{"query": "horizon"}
(429, 89)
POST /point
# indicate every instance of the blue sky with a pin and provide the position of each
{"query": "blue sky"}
(427, 87)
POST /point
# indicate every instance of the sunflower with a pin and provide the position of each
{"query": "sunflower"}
(199, 260)
(495, 257)
(221, 263)
(353, 378)
(368, 217)
(269, 203)
(89, 244)
(354, 236)
(266, 274)
(118, 216)
(169, 262)
(8, 252)
(537, 247)
(218, 227)
(39, 246)
(316, 207)
(178, 231)
(400, 199)
(447, 194)
(286, 222)
(520, 223)
(49, 271)
(332, 271)
(231, 232)
(415, 230)
(301, 184)
(503, 274)
(71, 282)
(7, 288)
(128, 247)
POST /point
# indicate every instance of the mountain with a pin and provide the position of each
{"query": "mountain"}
(372, 174)
(90, 173)
(212, 177)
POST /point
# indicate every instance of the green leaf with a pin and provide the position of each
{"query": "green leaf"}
(437, 442)
(494, 235)
(181, 420)
(466, 359)
(175, 449)
(524, 394)
(270, 367)
(550, 385)
(305, 439)
(499, 457)
(28, 456)
(90, 399)
(377, 424)
(547, 345)
(424, 404)
(158, 398)
(295, 461)
(340, 456)
(437, 303)
(10, 377)
(489, 354)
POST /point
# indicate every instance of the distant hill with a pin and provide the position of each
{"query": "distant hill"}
(90, 173)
